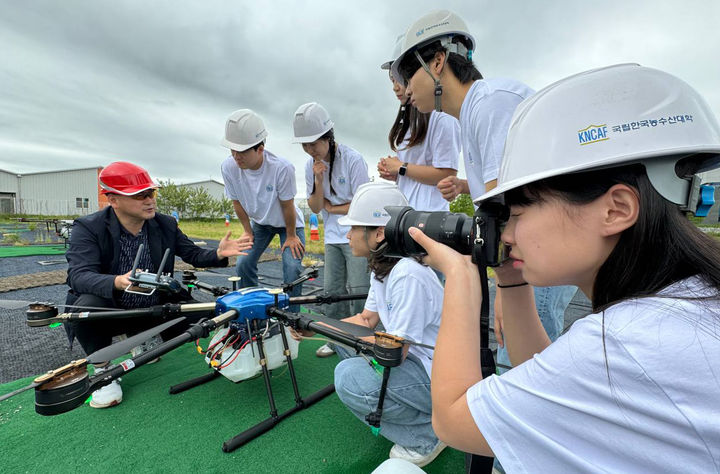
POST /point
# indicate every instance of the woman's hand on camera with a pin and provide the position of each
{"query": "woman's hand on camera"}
(439, 256)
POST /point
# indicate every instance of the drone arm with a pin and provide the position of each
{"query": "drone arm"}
(325, 299)
(297, 321)
(168, 309)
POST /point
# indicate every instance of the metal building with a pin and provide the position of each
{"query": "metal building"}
(51, 193)
(216, 189)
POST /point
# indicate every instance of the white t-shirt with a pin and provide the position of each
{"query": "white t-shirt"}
(484, 121)
(649, 401)
(260, 191)
(349, 171)
(409, 302)
(440, 149)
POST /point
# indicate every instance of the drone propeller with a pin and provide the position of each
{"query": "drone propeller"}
(102, 355)
(350, 328)
(363, 331)
(18, 304)
(122, 347)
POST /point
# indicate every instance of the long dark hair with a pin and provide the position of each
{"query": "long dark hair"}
(661, 248)
(330, 137)
(408, 118)
(381, 264)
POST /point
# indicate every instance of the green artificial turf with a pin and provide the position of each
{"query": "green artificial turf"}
(152, 431)
(28, 250)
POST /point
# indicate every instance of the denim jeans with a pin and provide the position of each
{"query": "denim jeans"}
(551, 303)
(246, 265)
(407, 409)
(344, 274)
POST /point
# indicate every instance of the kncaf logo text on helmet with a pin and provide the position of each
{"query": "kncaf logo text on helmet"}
(593, 134)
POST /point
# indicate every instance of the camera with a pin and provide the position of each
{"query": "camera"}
(476, 235)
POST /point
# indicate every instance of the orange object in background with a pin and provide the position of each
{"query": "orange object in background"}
(314, 234)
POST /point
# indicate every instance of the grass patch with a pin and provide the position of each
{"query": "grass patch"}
(216, 230)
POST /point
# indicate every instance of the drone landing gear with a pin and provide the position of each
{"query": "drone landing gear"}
(275, 417)
(181, 387)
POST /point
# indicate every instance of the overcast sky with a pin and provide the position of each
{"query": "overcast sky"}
(84, 83)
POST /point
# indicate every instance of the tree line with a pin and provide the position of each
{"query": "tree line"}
(190, 203)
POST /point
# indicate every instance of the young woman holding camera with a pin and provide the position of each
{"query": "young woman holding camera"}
(406, 297)
(597, 171)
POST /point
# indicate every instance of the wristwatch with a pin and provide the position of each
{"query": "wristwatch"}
(403, 169)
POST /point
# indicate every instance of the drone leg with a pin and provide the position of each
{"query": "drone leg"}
(291, 369)
(373, 418)
(187, 385)
(268, 424)
(266, 377)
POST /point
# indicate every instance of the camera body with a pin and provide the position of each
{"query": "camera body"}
(476, 235)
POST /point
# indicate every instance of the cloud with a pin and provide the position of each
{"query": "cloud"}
(84, 83)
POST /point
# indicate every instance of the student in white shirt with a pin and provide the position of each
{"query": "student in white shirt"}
(332, 175)
(436, 66)
(427, 147)
(406, 297)
(633, 387)
(262, 188)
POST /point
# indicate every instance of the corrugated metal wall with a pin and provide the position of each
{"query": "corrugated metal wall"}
(72, 192)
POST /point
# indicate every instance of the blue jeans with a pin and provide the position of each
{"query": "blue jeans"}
(246, 265)
(344, 274)
(551, 303)
(407, 409)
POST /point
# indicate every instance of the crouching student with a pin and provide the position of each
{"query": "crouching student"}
(406, 297)
(634, 386)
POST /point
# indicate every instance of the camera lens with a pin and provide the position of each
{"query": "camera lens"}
(453, 230)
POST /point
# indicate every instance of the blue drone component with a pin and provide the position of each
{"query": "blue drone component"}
(706, 200)
(250, 303)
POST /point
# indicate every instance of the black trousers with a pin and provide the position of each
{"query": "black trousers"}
(94, 335)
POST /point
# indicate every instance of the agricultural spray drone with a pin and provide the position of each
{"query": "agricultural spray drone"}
(252, 338)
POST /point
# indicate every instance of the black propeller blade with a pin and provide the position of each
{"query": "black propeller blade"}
(20, 390)
(116, 350)
(350, 328)
(18, 304)
(109, 352)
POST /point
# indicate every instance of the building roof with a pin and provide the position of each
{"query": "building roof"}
(202, 182)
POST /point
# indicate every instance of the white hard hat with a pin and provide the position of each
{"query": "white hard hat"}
(367, 207)
(243, 130)
(609, 117)
(397, 49)
(311, 122)
(440, 25)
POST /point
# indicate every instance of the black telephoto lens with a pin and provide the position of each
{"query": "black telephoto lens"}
(453, 230)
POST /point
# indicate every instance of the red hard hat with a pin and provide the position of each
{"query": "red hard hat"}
(121, 177)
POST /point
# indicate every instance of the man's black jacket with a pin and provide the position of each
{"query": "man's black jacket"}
(94, 248)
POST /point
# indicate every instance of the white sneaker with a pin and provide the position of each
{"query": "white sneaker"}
(324, 351)
(107, 396)
(410, 455)
(150, 344)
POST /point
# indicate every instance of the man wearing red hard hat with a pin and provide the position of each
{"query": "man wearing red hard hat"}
(103, 247)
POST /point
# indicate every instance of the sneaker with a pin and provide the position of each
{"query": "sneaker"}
(150, 344)
(419, 459)
(107, 396)
(325, 351)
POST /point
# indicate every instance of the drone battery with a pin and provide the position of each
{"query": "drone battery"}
(246, 364)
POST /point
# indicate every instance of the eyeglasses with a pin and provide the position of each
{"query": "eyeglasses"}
(148, 193)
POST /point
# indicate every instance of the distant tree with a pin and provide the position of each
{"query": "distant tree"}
(201, 203)
(223, 206)
(463, 204)
(173, 198)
